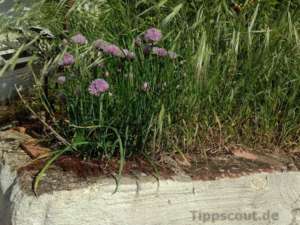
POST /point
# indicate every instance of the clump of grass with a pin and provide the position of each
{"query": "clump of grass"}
(236, 75)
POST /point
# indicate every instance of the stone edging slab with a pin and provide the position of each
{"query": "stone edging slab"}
(246, 200)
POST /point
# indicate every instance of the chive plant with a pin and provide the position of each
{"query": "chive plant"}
(166, 75)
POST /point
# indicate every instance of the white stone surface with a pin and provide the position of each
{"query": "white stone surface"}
(147, 202)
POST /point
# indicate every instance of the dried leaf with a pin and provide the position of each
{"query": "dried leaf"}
(32, 148)
(244, 154)
(20, 129)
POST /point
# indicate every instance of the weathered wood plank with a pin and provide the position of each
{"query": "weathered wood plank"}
(20, 77)
(7, 52)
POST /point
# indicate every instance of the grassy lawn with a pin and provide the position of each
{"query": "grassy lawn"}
(152, 77)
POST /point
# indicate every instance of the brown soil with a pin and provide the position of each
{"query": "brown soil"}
(216, 167)
(230, 161)
(232, 166)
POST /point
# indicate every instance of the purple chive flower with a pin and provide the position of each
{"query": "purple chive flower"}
(101, 44)
(67, 60)
(159, 51)
(79, 39)
(61, 79)
(128, 54)
(113, 50)
(172, 55)
(98, 87)
(146, 87)
(152, 35)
